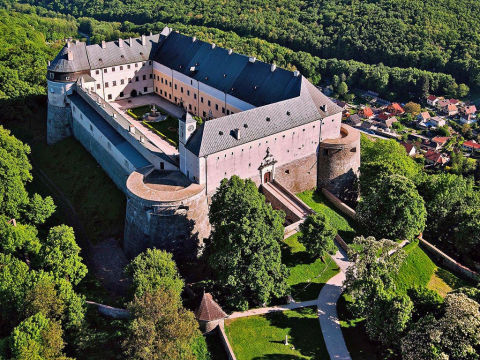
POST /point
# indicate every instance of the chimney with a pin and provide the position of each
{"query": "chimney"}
(236, 133)
(213, 46)
(323, 107)
(273, 67)
(192, 68)
(144, 40)
(69, 55)
(130, 42)
(194, 39)
(296, 73)
(104, 44)
(230, 51)
(120, 43)
(252, 59)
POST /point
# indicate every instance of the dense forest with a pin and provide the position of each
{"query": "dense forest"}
(436, 35)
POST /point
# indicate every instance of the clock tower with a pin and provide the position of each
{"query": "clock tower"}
(186, 126)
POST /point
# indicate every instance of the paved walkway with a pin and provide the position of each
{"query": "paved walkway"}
(327, 310)
(267, 310)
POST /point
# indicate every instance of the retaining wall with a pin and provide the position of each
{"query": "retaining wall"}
(339, 204)
(225, 342)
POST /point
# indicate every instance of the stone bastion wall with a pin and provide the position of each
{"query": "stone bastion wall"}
(165, 210)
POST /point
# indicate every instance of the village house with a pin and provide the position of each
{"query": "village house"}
(395, 109)
(471, 146)
(386, 119)
(409, 148)
(432, 100)
(468, 110)
(441, 140)
(450, 110)
(436, 158)
(354, 120)
(423, 116)
(441, 103)
(366, 113)
(468, 119)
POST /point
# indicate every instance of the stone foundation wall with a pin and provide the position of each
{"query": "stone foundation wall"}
(298, 175)
(109, 164)
(59, 123)
(178, 227)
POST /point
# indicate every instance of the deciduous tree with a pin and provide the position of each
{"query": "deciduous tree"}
(317, 235)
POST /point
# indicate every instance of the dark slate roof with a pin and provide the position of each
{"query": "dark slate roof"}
(79, 62)
(131, 51)
(217, 134)
(209, 310)
(110, 133)
(232, 73)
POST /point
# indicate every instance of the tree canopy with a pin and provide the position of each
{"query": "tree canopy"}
(317, 235)
(244, 246)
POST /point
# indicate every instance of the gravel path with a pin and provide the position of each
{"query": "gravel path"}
(327, 310)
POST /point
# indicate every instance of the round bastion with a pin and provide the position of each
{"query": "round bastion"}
(339, 162)
(165, 210)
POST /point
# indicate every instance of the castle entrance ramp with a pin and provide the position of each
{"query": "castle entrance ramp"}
(296, 211)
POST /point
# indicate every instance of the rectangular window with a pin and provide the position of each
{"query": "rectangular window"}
(114, 83)
(223, 110)
(144, 77)
(201, 99)
(105, 70)
(188, 92)
(136, 65)
(195, 96)
(122, 81)
(121, 68)
(216, 107)
(97, 72)
(106, 84)
(181, 89)
(98, 86)
(156, 89)
(175, 86)
(170, 96)
(175, 99)
(128, 66)
(190, 107)
(204, 114)
(150, 62)
(122, 94)
(113, 68)
(109, 96)
(161, 92)
(170, 84)
(161, 80)
(151, 76)
(136, 78)
(209, 103)
(144, 89)
(228, 112)
(129, 80)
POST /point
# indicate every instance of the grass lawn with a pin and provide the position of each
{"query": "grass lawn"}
(262, 337)
(419, 270)
(318, 202)
(98, 202)
(167, 127)
(307, 276)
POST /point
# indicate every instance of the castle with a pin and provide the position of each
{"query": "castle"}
(260, 122)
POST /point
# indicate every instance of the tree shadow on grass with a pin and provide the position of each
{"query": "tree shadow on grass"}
(305, 334)
(450, 279)
(290, 259)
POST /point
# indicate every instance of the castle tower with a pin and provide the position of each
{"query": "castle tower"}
(338, 164)
(70, 63)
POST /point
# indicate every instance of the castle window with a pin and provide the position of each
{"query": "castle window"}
(113, 68)
(188, 92)
(287, 171)
(150, 62)
(109, 96)
(98, 86)
(191, 82)
(190, 107)
(204, 114)
(201, 99)
(170, 84)
(136, 78)
(97, 72)
(106, 84)
(144, 89)
(175, 99)
(122, 94)
(223, 110)
(250, 165)
(114, 83)
(156, 88)
(194, 96)
(121, 68)
(181, 89)
(129, 80)
(228, 112)
(161, 92)
(105, 70)
(175, 86)
(216, 106)
(162, 165)
(144, 77)
(151, 76)
(170, 96)
(136, 65)
(122, 81)
(209, 103)
(128, 66)
(161, 80)
(303, 130)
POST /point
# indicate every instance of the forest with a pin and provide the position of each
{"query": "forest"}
(435, 35)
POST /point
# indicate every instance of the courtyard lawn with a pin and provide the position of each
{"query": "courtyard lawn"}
(139, 111)
(307, 275)
(167, 128)
(318, 202)
(262, 337)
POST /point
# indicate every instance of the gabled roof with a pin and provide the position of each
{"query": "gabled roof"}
(78, 62)
(408, 147)
(396, 107)
(232, 73)
(471, 144)
(366, 111)
(451, 107)
(431, 97)
(470, 109)
(424, 115)
(441, 140)
(436, 157)
(217, 134)
(209, 310)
